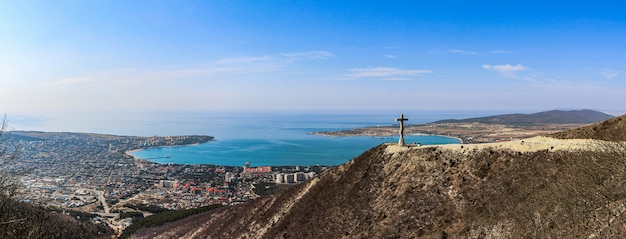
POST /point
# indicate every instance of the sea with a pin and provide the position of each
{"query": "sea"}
(262, 138)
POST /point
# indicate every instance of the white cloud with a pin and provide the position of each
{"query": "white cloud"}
(502, 52)
(309, 55)
(265, 63)
(396, 79)
(229, 66)
(463, 52)
(73, 80)
(242, 65)
(390, 56)
(383, 73)
(505, 68)
(245, 60)
(508, 71)
(609, 74)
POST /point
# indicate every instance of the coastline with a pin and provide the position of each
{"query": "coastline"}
(451, 137)
(169, 141)
(129, 152)
(437, 135)
(381, 132)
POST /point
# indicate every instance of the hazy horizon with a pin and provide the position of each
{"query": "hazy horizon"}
(213, 122)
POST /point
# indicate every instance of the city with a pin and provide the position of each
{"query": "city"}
(94, 173)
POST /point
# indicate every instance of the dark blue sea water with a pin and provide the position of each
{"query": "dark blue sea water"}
(278, 139)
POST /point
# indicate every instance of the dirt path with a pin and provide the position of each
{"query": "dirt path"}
(533, 144)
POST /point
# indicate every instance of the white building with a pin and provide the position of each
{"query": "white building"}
(229, 177)
(299, 177)
(289, 178)
(293, 177)
(280, 178)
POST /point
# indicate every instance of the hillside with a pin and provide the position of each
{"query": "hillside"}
(24, 220)
(546, 117)
(613, 130)
(572, 187)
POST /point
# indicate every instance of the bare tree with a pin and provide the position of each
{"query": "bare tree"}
(9, 149)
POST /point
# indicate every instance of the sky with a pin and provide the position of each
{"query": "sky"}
(83, 56)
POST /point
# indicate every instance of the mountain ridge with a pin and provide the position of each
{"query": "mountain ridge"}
(546, 117)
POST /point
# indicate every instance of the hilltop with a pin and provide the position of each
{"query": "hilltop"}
(546, 117)
(564, 185)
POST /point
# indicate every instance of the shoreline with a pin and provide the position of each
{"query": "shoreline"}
(169, 141)
(452, 137)
(423, 134)
(339, 134)
(129, 152)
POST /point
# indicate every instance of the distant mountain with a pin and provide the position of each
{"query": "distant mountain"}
(546, 117)
(540, 187)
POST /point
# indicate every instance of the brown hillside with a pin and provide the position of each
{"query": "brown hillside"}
(455, 191)
(613, 129)
(24, 220)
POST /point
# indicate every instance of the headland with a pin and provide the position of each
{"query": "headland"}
(498, 128)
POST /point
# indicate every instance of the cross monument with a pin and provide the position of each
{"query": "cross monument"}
(401, 120)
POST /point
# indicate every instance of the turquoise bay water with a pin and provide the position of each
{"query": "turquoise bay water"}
(280, 139)
(274, 152)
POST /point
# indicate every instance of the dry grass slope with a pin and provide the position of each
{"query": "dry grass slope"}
(613, 129)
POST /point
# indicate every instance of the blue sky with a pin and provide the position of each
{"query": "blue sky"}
(311, 55)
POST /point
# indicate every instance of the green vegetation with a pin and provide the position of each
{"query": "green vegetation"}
(164, 217)
(134, 215)
(147, 208)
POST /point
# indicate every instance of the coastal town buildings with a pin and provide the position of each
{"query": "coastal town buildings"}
(93, 173)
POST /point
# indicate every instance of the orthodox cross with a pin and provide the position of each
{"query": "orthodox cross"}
(401, 120)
